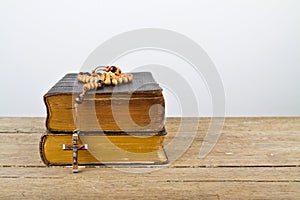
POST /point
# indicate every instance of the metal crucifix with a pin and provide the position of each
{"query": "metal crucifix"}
(75, 147)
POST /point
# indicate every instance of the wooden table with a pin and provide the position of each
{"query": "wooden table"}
(255, 158)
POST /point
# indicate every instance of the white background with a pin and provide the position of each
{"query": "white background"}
(255, 45)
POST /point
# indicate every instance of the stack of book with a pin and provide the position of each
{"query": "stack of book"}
(119, 124)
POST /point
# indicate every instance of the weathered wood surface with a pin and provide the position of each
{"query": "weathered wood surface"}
(255, 158)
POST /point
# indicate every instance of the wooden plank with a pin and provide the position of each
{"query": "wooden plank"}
(247, 149)
(142, 188)
(245, 142)
(178, 183)
(20, 149)
(22, 124)
(160, 174)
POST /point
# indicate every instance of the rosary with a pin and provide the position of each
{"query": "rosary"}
(111, 75)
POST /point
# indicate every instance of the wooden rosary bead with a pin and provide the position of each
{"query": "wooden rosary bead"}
(90, 85)
(112, 75)
(80, 98)
(80, 77)
(118, 71)
(124, 79)
(106, 69)
(119, 79)
(107, 80)
(100, 83)
(114, 82)
(84, 78)
(113, 69)
(92, 80)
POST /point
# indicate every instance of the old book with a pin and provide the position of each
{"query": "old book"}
(105, 148)
(135, 107)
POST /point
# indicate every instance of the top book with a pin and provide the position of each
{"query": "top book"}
(134, 107)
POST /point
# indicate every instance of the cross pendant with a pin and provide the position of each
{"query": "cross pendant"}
(75, 147)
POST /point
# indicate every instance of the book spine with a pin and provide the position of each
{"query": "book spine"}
(41, 149)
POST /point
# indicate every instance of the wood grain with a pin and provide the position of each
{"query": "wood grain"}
(255, 158)
(195, 183)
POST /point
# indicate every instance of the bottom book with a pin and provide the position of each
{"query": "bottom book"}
(105, 148)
